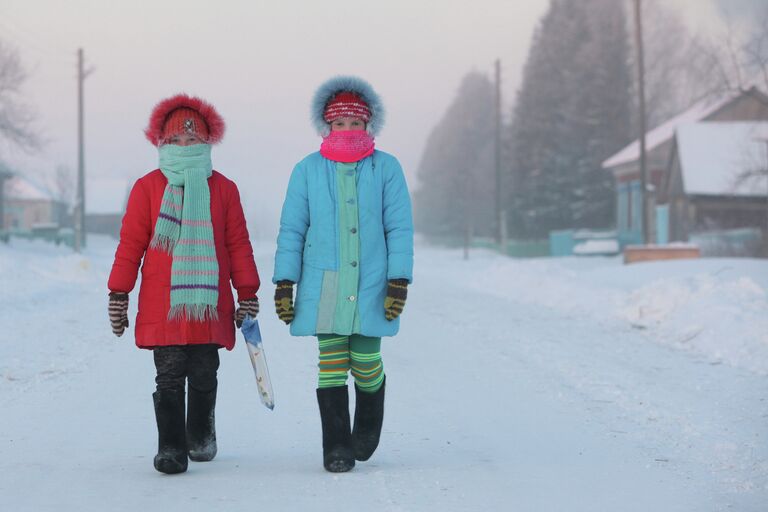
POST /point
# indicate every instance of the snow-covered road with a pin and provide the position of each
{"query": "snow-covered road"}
(526, 386)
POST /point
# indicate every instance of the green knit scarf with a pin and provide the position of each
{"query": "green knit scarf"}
(184, 230)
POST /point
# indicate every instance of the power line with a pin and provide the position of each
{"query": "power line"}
(641, 92)
(497, 158)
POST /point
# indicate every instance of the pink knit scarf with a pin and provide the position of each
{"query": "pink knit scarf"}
(347, 146)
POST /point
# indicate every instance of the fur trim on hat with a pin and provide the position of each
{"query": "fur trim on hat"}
(154, 130)
(353, 84)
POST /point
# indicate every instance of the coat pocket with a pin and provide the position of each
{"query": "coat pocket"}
(319, 249)
(310, 247)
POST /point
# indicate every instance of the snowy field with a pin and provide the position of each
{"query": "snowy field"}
(573, 384)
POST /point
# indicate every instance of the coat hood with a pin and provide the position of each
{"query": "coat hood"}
(330, 88)
(164, 108)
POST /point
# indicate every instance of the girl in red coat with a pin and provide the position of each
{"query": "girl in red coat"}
(185, 221)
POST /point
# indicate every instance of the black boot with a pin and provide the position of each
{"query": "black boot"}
(172, 446)
(338, 454)
(201, 426)
(369, 415)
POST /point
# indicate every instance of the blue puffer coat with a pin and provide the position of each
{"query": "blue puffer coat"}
(308, 243)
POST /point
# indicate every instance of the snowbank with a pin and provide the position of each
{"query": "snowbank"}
(35, 276)
(725, 318)
(714, 308)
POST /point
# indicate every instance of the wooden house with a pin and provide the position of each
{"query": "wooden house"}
(705, 190)
(737, 106)
(27, 206)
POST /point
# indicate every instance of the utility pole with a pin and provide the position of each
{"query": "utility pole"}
(641, 92)
(79, 212)
(501, 214)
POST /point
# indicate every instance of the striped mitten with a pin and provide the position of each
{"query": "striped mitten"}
(118, 312)
(397, 291)
(284, 301)
(249, 307)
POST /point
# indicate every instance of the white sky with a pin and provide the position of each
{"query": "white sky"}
(258, 62)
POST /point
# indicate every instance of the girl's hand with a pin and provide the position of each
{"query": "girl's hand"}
(118, 312)
(284, 301)
(397, 292)
(246, 307)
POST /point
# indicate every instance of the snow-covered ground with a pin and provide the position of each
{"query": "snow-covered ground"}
(574, 384)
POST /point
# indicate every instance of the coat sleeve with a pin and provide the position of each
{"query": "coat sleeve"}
(245, 277)
(398, 224)
(135, 234)
(294, 223)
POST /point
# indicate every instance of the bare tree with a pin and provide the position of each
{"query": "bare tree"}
(738, 61)
(16, 118)
(65, 184)
(679, 64)
(754, 176)
(742, 64)
(756, 51)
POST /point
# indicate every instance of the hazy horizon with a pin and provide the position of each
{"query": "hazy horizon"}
(259, 63)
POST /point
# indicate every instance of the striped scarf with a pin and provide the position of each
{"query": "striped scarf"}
(184, 230)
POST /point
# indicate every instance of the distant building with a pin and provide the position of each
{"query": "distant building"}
(702, 191)
(27, 207)
(676, 180)
(105, 203)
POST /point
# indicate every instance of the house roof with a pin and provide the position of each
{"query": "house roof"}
(712, 155)
(103, 195)
(17, 187)
(664, 132)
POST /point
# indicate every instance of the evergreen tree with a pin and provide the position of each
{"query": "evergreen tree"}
(456, 172)
(572, 111)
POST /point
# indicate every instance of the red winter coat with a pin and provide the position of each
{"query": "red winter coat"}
(233, 251)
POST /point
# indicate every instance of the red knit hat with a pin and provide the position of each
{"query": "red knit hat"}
(346, 104)
(184, 120)
(184, 114)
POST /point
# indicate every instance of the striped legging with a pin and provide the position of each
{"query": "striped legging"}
(361, 354)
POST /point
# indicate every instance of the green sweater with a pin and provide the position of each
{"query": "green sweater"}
(346, 319)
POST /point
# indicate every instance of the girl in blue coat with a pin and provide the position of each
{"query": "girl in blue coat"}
(346, 238)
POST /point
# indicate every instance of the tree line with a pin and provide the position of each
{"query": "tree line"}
(576, 105)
